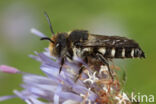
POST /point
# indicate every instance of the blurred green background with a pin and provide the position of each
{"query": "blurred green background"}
(131, 18)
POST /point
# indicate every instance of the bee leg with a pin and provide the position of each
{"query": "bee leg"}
(105, 62)
(62, 62)
(80, 72)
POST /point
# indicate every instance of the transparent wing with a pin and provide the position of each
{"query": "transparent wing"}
(109, 41)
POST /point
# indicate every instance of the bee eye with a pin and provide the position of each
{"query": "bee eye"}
(57, 45)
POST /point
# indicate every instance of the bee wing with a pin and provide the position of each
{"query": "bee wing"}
(109, 41)
(114, 46)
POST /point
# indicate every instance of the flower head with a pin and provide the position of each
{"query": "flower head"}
(61, 88)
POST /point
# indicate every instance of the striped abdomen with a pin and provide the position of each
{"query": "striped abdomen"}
(118, 52)
(108, 46)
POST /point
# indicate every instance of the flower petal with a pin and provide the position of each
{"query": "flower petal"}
(70, 102)
(8, 69)
(37, 32)
(56, 97)
(2, 98)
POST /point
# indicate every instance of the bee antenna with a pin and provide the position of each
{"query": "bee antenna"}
(46, 38)
(49, 22)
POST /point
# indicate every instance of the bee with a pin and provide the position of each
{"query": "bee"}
(85, 45)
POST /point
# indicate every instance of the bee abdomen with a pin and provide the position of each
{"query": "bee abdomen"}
(118, 52)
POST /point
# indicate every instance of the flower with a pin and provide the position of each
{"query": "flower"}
(92, 78)
(122, 98)
(61, 88)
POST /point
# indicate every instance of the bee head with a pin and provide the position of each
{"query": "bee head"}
(58, 41)
(58, 44)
